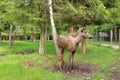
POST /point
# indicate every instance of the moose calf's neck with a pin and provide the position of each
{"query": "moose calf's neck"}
(78, 38)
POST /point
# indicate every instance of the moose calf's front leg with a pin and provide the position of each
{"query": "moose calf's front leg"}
(60, 60)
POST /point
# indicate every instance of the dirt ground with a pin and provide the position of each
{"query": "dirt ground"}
(79, 70)
(115, 71)
(2, 55)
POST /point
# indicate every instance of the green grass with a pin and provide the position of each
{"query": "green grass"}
(106, 42)
(12, 66)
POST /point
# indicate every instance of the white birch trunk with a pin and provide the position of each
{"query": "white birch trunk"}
(54, 32)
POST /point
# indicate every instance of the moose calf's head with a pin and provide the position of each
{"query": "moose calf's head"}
(85, 34)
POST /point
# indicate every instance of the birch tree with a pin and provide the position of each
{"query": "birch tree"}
(54, 32)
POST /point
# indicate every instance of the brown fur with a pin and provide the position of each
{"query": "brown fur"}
(70, 42)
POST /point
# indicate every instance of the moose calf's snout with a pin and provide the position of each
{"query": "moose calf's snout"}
(91, 37)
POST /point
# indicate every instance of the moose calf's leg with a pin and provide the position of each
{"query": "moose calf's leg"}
(60, 60)
(69, 66)
(72, 59)
(63, 62)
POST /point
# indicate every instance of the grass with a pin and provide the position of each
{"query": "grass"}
(12, 66)
(106, 42)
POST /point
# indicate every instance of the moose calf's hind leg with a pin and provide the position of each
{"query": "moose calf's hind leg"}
(72, 58)
(69, 66)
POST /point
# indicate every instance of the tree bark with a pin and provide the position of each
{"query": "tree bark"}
(42, 40)
(10, 36)
(111, 37)
(34, 37)
(54, 32)
(83, 46)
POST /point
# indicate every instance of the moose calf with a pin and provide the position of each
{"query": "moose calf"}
(70, 42)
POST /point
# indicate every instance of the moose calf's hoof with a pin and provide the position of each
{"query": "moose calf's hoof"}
(61, 70)
(69, 69)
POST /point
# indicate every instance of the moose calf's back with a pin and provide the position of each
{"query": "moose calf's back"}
(66, 42)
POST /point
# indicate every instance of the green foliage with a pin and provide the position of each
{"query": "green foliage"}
(30, 14)
(101, 13)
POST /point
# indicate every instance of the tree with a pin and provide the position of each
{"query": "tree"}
(9, 14)
(54, 32)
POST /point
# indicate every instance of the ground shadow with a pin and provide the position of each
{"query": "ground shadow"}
(79, 70)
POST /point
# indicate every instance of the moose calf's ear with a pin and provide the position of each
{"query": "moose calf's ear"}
(82, 29)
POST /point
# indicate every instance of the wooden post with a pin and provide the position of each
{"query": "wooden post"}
(71, 30)
(115, 32)
(111, 36)
(83, 46)
(119, 38)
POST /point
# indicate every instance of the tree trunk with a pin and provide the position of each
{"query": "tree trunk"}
(71, 30)
(46, 33)
(111, 37)
(119, 38)
(100, 36)
(10, 36)
(17, 27)
(54, 32)
(34, 37)
(42, 40)
(115, 33)
(43, 13)
(0, 36)
(96, 34)
(26, 38)
(83, 46)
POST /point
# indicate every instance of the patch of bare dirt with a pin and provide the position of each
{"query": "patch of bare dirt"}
(26, 51)
(2, 55)
(115, 71)
(29, 63)
(79, 70)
